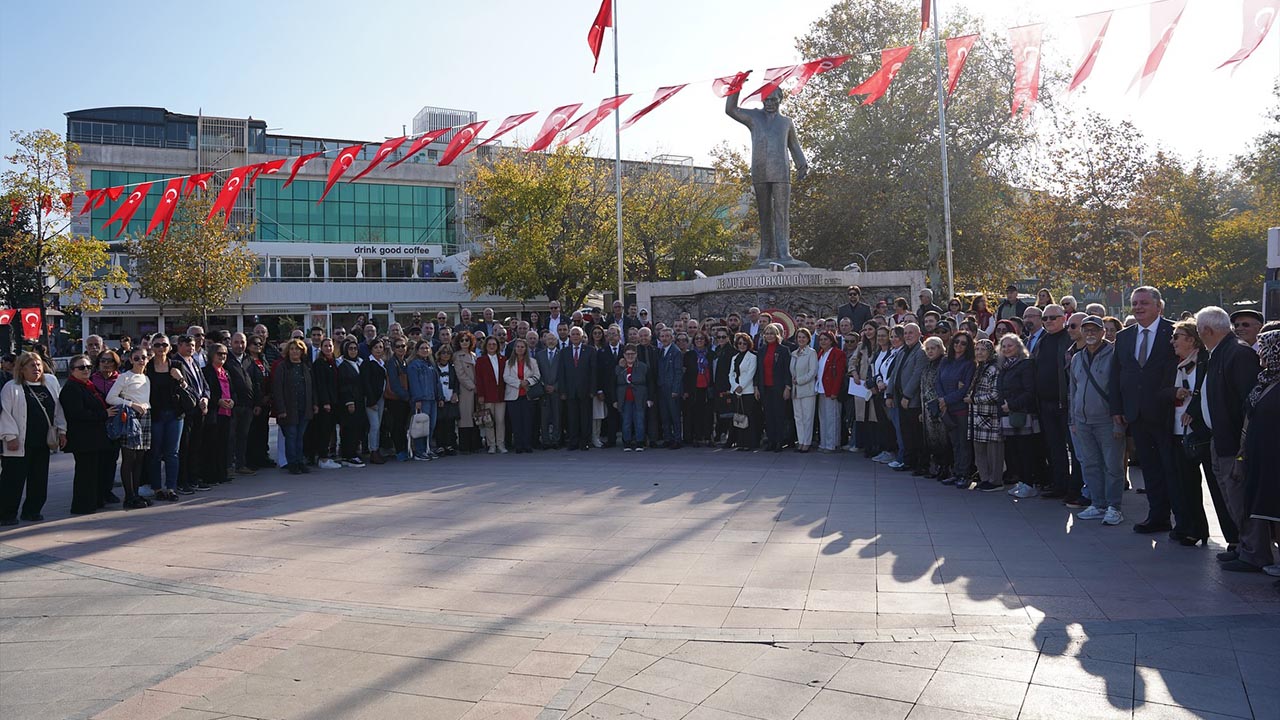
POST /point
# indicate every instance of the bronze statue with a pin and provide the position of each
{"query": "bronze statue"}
(772, 136)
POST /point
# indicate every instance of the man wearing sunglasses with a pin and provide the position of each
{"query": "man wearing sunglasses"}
(1051, 392)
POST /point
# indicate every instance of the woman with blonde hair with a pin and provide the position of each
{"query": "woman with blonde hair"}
(464, 365)
(293, 394)
(32, 426)
(804, 371)
(131, 393)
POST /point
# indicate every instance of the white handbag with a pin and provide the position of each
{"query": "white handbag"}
(420, 426)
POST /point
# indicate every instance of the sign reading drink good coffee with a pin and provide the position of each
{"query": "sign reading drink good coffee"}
(769, 280)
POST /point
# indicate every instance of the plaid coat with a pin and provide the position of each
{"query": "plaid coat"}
(984, 408)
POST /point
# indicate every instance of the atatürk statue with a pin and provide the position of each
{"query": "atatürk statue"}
(773, 136)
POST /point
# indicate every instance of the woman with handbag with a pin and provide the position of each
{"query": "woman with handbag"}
(1191, 443)
(984, 420)
(426, 396)
(936, 442)
(87, 414)
(464, 366)
(1016, 386)
(742, 386)
(520, 378)
(217, 422)
(955, 376)
(167, 415)
(106, 372)
(446, 434)
(860, 412)
(32, 426)
(804, 371)
(351, 403)
(489, 393)
(131, 394)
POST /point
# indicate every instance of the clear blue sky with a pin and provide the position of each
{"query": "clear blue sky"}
(362, 70)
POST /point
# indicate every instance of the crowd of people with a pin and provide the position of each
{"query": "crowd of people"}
(1030, 398)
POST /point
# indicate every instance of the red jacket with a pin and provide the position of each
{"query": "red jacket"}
(834, 373)
(489, 388)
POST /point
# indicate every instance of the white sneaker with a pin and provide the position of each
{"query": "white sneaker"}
(1113, 517)
(895, 464)
(1272, 570)
(883, 457)
(492, 450)
(502, 450)
(854, 449)
(596, 443)
(1093, 512)
(327, 464)
(1011, 491)
(1023, 491)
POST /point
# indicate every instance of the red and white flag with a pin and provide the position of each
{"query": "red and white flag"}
(552, 126)
(270, 167)
(226, 201)
(730, 84)
(164, 210)
(421, 142)
(297, 165)
(460, 141)
(595, 36)
(197, 182)
(1164, 21)
(1093, 30)
(67, 199)
(589, 120)
(1258, 18)
(130, 206)
(6, 315)
(30, 323)
(346, 158)
(662, 95)
(15, 208)
(877, 85)
(926, 11)
(773, 79)
(384, 151)
(511, 123)
(46, 203)
(958, 49)
(813, 68)
(94, 199)
(1026, 69)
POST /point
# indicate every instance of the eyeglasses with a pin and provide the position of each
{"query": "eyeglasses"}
(220, 354)
(82, 367)
(159, 344)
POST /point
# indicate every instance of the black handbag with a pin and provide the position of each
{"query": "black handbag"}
(185, 400)
(1196, 445)
(535, 389)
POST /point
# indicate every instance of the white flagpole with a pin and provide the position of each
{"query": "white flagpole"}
(617, 162)
(942, 137)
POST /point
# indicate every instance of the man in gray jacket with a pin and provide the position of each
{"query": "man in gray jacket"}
(1096, 436)
(545, 356)
(906, 394)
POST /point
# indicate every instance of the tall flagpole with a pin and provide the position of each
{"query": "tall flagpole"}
(942, 137)
(617, 162)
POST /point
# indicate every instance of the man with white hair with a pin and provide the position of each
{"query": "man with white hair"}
(1095, 309)
(93, 348)
(1231, 374)
(927, 304)
(197, 333)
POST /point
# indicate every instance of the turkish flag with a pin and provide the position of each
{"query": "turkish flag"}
(877, 85)
(816, 67)
(774, 77)
(1164, 20)
(957, 53)
(1258, 17)
(552, 126)
(226, 201)
(30, 323)
(1093, 29)
(130, 206)
(511, 123)
(926, 10)
(1026, 69)
(589, 120)
(421, 142)
(46, 203)
(346, 158)
(15, 207)
(168, 203)
(460, 141)
(194, 182)
(6, 315)
(384, 151)
(267, 168)
(662, 95)
(94, 199)
(67, 200)
(595, 36)
(730, 84)
(297, 165)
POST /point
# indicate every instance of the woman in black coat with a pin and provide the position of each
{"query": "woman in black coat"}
(1017, 400)
(773, 381)
(351, 403)
(324, 380)
(87, 413)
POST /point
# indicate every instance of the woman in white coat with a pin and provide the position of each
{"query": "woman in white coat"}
(804, 369)
(742, 385)
(519, 374)
(29, 410)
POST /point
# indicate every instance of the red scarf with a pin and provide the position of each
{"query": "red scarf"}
(92, 390)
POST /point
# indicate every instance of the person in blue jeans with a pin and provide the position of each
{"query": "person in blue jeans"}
(632, 399)
(426, 394)
(166, 422)
(955, 375)
(294, 403)
(1098, 439)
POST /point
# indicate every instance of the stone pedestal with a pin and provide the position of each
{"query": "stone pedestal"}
(808, 290)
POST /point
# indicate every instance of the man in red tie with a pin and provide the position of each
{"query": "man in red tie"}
(577, 381)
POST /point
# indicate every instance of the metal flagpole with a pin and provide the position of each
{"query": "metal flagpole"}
(617, 162)
(942, 137)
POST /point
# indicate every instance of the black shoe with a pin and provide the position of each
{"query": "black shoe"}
(1189, 541)
(33, 518)
(1238, 565)
(184, 490)
(304, 469)
(9, 521)
(1149, 527)
(1076, 502)
(1228, 556)
(295, 469)
(904, 468)
(677, 446)
(571, 448)
(110, 498)
(1053, 495)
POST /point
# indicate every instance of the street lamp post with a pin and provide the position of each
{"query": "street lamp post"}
(1141, 239)
(866, 257)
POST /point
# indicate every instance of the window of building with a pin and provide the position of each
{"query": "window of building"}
(397, 269)
(295, 268)
(342, 269)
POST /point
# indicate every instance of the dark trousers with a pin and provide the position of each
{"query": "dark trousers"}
(1020, 454)
(216, 431)
(913, 438)
(107, 472)
(670, 406)
(319, 436)
(29, 472)
(653, 422)
(776, 417)
(698, 416)
(259, 451)
(189, 454)
(1191, 522)
(886, 438)
(520, 420)
(610, 426)
(352, 427)
(132, 465)
(395, 425)
(1152, 443)
(86, 483)
(446, 432)
(749, 437)
(238, 447)
(549, 420)
(1053, 426)
(1229, 531)
(577, 422)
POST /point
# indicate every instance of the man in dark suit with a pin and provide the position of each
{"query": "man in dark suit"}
(647, 353)
(606, 360)
(546, 357)
(1232, 372)
(1144, 364)
(243, 393)
(670, 389)
(857, 311)
(577, 375)
(1051, 393)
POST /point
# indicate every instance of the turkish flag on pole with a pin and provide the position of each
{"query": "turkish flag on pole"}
(595, 36)
(297, 165)
(197, 182)
(1258, 17)
(552, 126)
(814, 68)
(926, 10)
(226, 201)
(773, 78)
(168, 203)
(130, 206)
(267, 168)
(877, 85)
(584, 124)
(384, 151)
(1164, 20)
(730, 84)
(662, 95)
(6, 315)
(421, 142)
(460, 141)
(958, 49)
(1026, 69)
(511, 123)
(346, 157)
(30, 323)
(1093, 29)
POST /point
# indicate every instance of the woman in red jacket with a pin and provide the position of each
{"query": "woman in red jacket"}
(829, 388)
(489, 395)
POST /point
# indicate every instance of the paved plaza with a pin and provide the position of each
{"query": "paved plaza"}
(695, 585)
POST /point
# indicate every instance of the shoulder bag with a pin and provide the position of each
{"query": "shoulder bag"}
(740, 419)
(50, 435)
